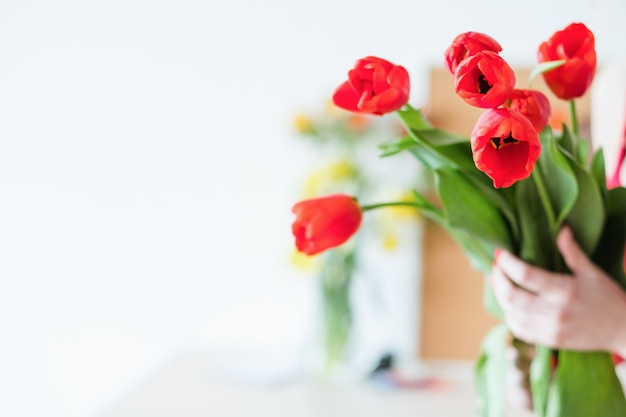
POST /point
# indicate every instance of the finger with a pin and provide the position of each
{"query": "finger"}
(531, 278)
(527, 331)
(524, 313)
(574, 257)
(521, 325)
(510, 297)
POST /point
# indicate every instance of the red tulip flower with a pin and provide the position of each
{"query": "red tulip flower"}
(505, 146)
(325, 222)
(374, 86)
(467, 44)
(533, 104)
(484, 80)
(574, 44)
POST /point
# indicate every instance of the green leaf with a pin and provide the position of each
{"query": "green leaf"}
(434, 139)
(598, 171)
(434, 148)
(489, 299)
(566, 141)
(395, 147)
(544, 67)
(439, 137)
(536, 245)
(490, 373)
(582, 152)
(585, 384)
(540, 375)
(609, 254)
(558, 177)
(478, 252)
(414, 119)
(502, 198)
(428, 209)
(469, 210)
(456, 155)
(479, 255)
(587, 216)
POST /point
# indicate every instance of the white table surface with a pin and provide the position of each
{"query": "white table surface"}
(187, 388)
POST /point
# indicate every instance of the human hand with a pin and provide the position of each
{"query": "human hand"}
(582, 311)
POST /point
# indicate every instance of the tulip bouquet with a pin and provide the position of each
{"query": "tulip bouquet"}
(512, 184)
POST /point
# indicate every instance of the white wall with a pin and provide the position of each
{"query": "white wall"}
(147, 169)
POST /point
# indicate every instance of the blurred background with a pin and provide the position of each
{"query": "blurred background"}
(149, 162)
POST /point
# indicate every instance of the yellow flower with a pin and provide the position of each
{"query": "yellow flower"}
(303, 262)
(341, 170)
(303, 124)
(390, 240)
(325, 180)
(314, 184)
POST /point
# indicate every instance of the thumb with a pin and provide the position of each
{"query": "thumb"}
(574, 257)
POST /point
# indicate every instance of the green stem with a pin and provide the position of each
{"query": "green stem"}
(390, 204)
(573, 117)
(547, 206)
(543, 196)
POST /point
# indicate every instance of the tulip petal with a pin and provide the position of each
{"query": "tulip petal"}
(346, 97)
(483, 68)
(467, 44)
(505, 146)
(576, 45)
(325, 222)
(374, 86)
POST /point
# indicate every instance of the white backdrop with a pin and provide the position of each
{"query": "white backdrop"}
(147, 169)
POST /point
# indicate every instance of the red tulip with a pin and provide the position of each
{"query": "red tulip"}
(374, 86)
(505, 146)
(484, 80)
(325, 222)
(574, 44)
(533, 104)
(467, 44)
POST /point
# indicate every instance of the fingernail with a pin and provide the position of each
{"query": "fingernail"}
(496, 253)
